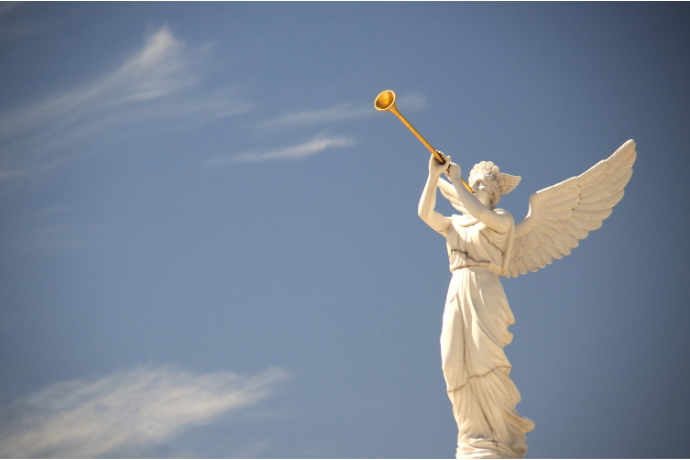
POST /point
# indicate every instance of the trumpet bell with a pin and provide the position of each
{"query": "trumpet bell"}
(385, 101)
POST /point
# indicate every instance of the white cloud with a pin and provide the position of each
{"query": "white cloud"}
(92, 418)
(410, 102)
(296, 152)
(158, 86)
(309, 117)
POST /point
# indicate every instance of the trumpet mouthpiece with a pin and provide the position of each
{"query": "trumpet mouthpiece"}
(385, 100)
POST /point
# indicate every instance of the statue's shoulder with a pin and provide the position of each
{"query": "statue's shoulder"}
(462, 220)
(502, 212)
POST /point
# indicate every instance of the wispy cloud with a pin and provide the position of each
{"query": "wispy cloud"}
(156, 87)
(409, 102)
(319, 116)
(296, 152)
(134, 409)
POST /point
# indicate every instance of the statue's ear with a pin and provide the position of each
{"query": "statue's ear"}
(509, 182)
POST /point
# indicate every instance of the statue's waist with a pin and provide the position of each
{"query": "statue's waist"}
(478, 268)
(460, 260)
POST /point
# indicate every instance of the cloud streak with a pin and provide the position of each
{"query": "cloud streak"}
(296, 152)
(411, 102)
(310, 117)
(155, 88)
(138, 408)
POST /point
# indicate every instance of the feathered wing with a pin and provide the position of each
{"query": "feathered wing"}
(561, 215)
(448, 191)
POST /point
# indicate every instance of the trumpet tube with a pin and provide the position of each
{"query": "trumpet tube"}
(385, 102)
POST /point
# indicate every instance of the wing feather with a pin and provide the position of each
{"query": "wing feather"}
(605, 203)
(521, 266)
(552, 250)
(531, 239)
(593, 214)
(545, 257)
(561, 215)
(586, 224)
(561, 244)
(449, 192)
(570, 239)
(609, 184)
(600, 195)
(577, 231)
(530, 263)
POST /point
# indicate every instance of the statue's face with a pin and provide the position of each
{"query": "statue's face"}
(484, 183)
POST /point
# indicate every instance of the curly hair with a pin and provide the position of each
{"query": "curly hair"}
(501, 183)
(494, 173)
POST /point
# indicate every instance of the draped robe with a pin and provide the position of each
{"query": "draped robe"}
(475, 330)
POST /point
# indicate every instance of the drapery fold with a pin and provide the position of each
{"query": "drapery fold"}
(477, 372)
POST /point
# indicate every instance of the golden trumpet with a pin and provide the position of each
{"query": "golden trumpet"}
(385, 102)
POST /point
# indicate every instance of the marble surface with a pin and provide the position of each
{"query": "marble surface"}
(483, 244)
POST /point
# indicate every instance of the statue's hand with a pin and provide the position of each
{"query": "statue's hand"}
(435, 167)
(454, 173)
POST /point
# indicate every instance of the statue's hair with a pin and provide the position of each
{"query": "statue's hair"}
(501, 183)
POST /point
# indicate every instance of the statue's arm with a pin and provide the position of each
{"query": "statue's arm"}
(427, 202)
(498, 222)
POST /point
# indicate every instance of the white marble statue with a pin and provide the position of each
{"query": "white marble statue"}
(483, 244)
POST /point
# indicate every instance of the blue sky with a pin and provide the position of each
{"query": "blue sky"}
(209, 244)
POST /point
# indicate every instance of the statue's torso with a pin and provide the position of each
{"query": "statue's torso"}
(471, 243)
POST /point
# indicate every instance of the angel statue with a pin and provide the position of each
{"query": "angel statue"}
(483, 244)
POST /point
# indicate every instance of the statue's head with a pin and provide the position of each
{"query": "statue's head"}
(486, 175)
